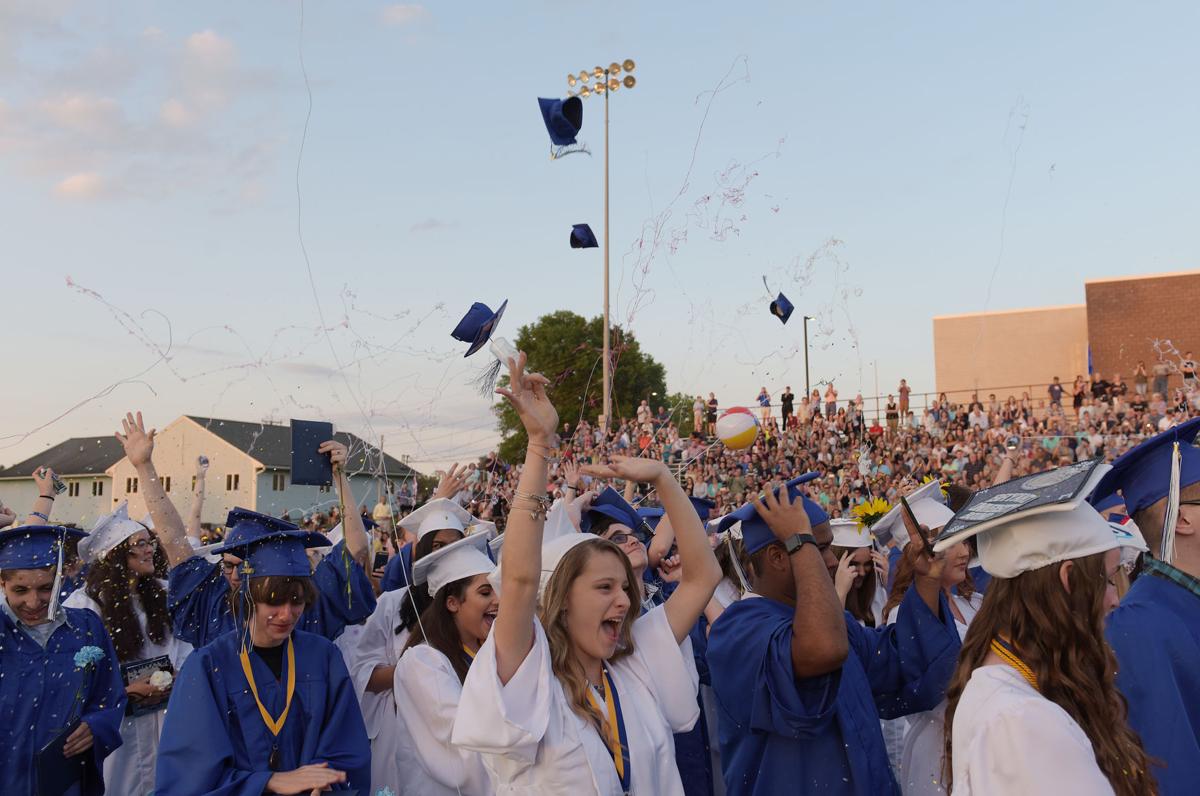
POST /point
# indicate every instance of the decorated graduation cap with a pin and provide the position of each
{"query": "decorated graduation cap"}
(108, 533)
(850, 533)
(563, 119)
(37, 547)
(439, 514)
(928, 505)
(755, 533)
(582, 237)
(1031, 522)
(781, 308)
(477, 325)
(1158, 468)
(462, 559)
(1129, 538)
(268, 547)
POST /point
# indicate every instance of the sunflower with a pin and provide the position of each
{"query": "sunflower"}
(932, 477)
(871, 511)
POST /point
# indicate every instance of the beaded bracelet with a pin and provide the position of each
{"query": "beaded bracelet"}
(39, 514)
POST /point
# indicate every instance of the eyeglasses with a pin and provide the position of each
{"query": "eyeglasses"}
(620, 538)
(144, 545)
(228, 566)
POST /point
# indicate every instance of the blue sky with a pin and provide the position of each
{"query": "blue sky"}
(149, 153)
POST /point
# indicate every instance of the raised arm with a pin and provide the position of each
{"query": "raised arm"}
(43, 478)
(168, 525)
(353, 530)
(819, 642)
(193, 524)
(521, 558)
(660, 544)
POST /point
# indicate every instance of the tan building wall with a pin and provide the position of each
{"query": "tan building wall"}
(1009, 351)
(1127, 315)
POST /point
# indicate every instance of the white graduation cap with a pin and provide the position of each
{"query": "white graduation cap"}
(1032, 522)
(482, 526)
(928, 505)
(462, 559)
(1129, 539)
(850, 533)
(440, 514)
(148, 521)
(108, 532)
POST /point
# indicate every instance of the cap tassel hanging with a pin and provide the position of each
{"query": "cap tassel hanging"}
(1167, 552)
(501, 351)
(58, 579)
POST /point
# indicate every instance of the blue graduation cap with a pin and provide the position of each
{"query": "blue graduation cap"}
(651, 515)
(34, 546)
(477, 325)
(781, 308)
(1143, 474)
(611, 504)
(269, 546)
(582, 237)
(755, 533)
(563, 119)
(703, 506)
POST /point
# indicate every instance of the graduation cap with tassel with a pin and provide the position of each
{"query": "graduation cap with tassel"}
(476, 328)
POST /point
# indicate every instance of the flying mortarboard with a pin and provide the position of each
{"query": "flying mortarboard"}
(477, 325)
(563, 119)
(781, 308)
(1031, 522)
(755, 533)
(462, 559)
(582, 237)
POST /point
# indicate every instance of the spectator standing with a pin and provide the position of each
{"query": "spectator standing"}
(892, 415)
(1077, 392)
(710, 416)
(1188, 368)
(764, 405)
(904, 390)
(698, 413)
(830, 400)
(1099, 388)
(1140, 380)
(786, 401)
(1162, 370)
(1056, 392)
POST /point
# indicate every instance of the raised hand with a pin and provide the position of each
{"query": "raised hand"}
(577, 507)
(571, 474)
(629, 468)
(338, 453)
(527, 393)
(843, 579)
(138, 444)
(783, 516)
(881, 565)
(451, 483)
(44, 478)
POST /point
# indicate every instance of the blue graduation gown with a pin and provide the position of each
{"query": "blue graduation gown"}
(214, 740)
(398, 572)
(1155, 633)
(821, 735)
(198, 599)
(692, 754)
(38, 690)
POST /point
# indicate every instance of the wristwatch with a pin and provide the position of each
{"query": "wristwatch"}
(796, 541)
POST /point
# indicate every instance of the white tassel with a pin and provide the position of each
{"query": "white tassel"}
(501, 351)
(1171, 517)
(58, 579)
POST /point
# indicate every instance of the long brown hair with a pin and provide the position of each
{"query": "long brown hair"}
(553, 617)
(108, 583)
(437, 628)
(858, 601)
(1060, 635)
(905, 573)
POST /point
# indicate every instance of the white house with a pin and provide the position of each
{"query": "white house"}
(249, 466)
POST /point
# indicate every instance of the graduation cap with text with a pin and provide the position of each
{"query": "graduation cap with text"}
(781, 308)
(755, 533)
(1034, 521)
(582, 237)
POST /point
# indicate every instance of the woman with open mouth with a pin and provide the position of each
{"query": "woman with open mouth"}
(434, 664)
(122, 589)
(265, 708)
(576, 696)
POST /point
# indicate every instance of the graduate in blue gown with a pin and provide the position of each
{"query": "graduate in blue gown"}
(57, 668)
(1155, 631)
(800, 685)
(267, 708)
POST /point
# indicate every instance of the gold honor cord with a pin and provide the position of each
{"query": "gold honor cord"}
(467, 650)
(1009, 656)
(616, 726)
(274, 725)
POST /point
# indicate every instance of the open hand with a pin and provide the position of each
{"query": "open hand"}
(571, 474)
(306, 779)
(451, 483)
(577, 507)
(138, 444)
(629, 468)
(527, 393)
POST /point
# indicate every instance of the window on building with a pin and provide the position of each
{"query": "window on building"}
(166, 481)
(278, 482)
(193, 483)
(231, 482)
(97, 489)
(73, 489)
(131, 486)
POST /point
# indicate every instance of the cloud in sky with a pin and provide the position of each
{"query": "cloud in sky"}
(85, 185)
(404, 14)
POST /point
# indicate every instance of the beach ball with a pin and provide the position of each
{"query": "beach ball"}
(737, 428)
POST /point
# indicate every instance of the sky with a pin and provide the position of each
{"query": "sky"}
(183, 233)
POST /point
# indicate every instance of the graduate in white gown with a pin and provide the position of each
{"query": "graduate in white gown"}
(861, 574)
(1033, 706)
(121, 588)
(434, 664)
(578, 697)
(438, 523)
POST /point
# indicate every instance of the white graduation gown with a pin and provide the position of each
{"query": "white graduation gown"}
(428, 687)
(532, 742)
(1008, 738)
(380, 645)
(130, 768)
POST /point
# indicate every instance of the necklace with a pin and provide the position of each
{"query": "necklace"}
(274, 726)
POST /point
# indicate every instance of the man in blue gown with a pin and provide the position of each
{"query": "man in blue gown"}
(217, 736)
(800, 685)
(1155, 631)
(57, 669)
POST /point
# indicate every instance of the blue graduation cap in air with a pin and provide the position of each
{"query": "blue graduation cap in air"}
(563, 119)
(755, 533)
(268, 546)
(582, 237)
(477, 325)
(781, 308)
(1143, 474)
(34, 546)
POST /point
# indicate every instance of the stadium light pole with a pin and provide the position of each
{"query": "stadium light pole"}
(807, 387)
(607, 81)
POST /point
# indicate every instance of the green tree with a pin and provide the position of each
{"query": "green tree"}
(567, 348)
